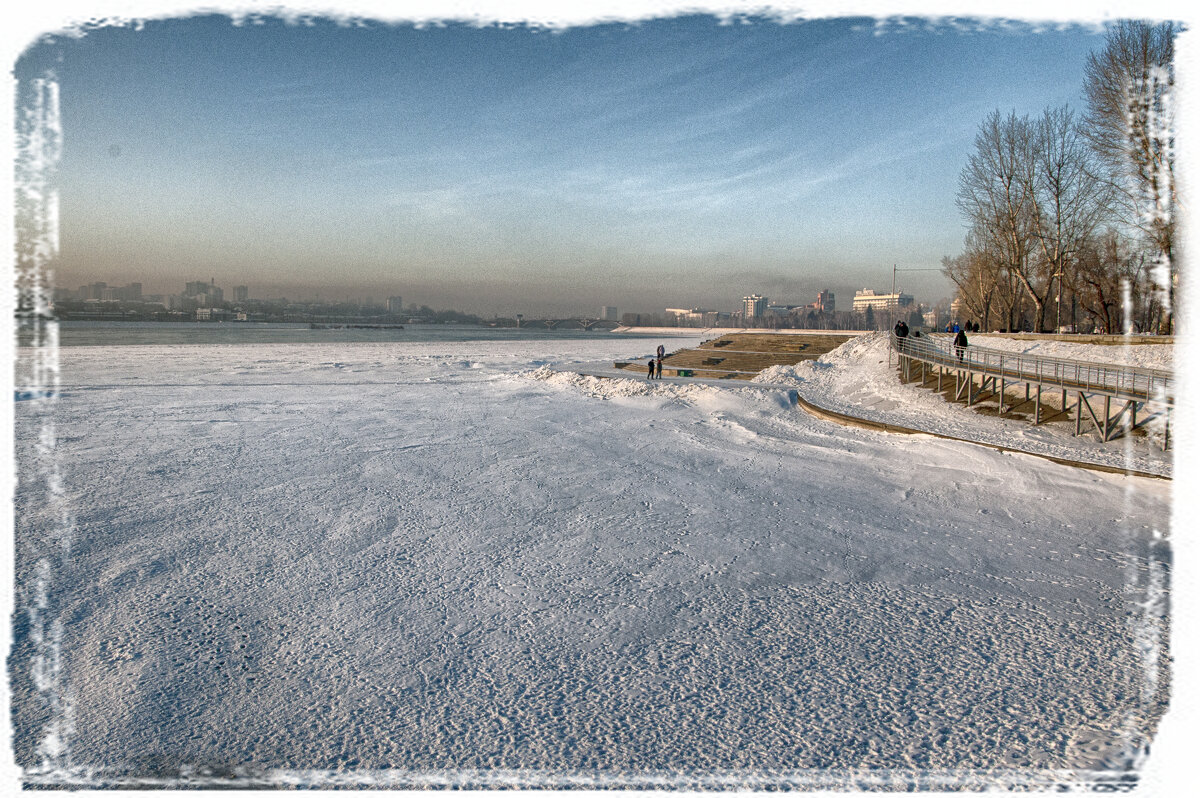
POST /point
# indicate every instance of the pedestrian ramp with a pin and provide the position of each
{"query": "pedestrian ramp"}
(1115, 399)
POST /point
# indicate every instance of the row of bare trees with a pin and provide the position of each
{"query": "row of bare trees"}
(1070, 215)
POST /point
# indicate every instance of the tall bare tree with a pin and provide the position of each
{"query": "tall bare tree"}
(996, 195)
(1129, 87)
(977, 274)
(1070, 198)
(1105, 266)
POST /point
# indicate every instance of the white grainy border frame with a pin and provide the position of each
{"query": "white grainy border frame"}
(38, 373)
(38, 128)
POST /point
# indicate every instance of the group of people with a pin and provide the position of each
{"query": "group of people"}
(959, 344)
(654, 365)
(901, 331)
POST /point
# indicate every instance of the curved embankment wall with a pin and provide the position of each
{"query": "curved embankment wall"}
(854, 421)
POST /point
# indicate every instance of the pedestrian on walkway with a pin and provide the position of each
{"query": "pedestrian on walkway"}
(658, 369)
(960, 344)
(650, 369)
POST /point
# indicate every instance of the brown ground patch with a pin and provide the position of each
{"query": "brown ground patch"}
(741, 356)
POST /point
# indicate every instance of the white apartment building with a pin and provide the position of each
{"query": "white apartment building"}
(867, 298)
(693, 317)
(754, 306)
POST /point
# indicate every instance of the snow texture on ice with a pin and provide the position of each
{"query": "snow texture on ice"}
(436, 560)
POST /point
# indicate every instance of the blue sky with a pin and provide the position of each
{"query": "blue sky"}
(675, 162)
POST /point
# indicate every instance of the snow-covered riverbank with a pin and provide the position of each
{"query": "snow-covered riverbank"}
(418, 561)
(859, 379)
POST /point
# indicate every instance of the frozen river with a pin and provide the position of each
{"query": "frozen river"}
(404, 562)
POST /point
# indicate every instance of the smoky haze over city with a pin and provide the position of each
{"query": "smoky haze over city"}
(674, 162)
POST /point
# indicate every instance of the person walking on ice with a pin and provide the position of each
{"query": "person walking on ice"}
(650, 369)
(658, 369)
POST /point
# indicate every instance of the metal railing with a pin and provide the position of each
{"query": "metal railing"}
(1124, 382)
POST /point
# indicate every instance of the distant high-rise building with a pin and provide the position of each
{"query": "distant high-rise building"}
(825, 301)
(754, 306)
(395, 304)
(92, 290)
(240, 293)
(206, 292)
(608, 313)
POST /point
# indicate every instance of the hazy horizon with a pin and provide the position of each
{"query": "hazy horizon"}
(496, 170)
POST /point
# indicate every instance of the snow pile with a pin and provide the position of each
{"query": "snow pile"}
(860, 379)
(618, 387)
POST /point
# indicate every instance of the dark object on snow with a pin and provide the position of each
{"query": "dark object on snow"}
(960, 344)
(650, 369)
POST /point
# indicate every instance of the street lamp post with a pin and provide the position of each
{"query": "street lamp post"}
(1058, 301)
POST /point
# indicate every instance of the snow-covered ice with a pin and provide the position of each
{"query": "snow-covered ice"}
(413, 562)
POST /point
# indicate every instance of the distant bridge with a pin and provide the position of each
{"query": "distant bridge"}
(566, 324)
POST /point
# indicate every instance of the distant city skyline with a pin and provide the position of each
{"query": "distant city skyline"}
(675, 162)
(335, 293)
